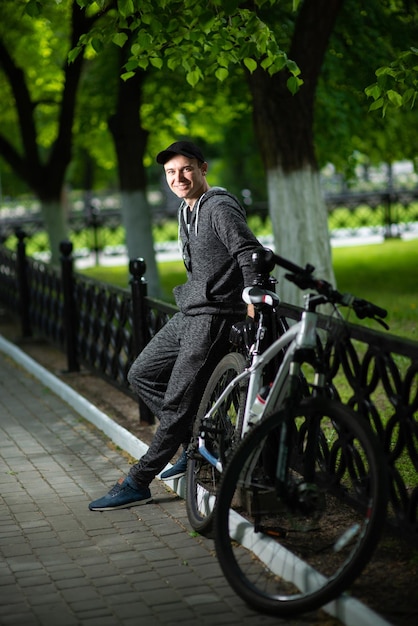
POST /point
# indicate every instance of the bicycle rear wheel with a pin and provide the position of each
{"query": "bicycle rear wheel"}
(290, 554)
(221, 432)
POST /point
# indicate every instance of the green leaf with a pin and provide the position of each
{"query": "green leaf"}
(172, 63)
(376, 105)
(144, 40)
(156, 62)
(131, 65)
(278, 64)
(73, 54)
(250, 64)
(193, 77)
(127, 75)
(265, 63)
(120, 39)
(146, 18)
(382, 71)
(293, 83)
(373, 91)
(143, 63)
(125, 7)
(221, 73)
(97, 44)
(224, 59)
(410, 94)
(292, 67)
(394, 98)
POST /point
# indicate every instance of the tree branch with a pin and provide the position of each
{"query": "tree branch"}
(12, 157)
(60, 154)
(24, 107)
(314, 25)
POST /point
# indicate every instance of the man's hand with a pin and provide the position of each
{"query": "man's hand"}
(250, 310)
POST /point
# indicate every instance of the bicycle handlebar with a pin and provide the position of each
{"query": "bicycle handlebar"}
(265, 260)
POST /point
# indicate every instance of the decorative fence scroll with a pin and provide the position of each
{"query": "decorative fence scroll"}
(376, 374)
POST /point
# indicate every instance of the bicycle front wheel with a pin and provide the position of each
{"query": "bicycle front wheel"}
(293, 549)
(221, 431)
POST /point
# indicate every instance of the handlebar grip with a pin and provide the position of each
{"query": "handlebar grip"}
(363, 309)
(379, 312)
(265, 259)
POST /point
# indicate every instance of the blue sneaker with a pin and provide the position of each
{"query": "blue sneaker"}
(178, 470)
(122, 496)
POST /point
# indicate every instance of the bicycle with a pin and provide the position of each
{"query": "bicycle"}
(302, 499)
(220, 417)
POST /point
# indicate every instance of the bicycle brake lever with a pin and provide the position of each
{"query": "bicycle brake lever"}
(382, 323)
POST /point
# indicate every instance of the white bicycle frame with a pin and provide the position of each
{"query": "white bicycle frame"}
(301, 335)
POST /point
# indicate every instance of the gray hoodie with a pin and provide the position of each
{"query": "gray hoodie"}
(217, 252)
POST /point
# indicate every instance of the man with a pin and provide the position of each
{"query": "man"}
(171, 372)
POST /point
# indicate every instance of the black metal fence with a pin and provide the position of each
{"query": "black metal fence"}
(99, 326)
(377, 374)
(391, 210)
(104, 328)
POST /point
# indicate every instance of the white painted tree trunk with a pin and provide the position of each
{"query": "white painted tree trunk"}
(137, 221)
(300, 226)
(56, 225)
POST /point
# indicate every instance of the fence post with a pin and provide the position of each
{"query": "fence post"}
(139, 290)
(22, 282)
(69, 308)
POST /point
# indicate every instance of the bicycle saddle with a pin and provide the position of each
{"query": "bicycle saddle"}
(256, 295)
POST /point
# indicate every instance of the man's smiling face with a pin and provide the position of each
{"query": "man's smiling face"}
(186, 178)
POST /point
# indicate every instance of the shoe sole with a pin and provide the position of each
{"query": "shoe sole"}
(121, 506)
(178, 475)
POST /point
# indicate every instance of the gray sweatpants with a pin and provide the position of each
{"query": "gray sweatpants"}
(170, 376)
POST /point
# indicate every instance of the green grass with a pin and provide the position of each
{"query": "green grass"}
(384, 273)
(387, 275)
(172, 273)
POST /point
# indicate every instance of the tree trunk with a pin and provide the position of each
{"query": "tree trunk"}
(284, 128)
(56, 225)
(299, 220)
(130, 142)
(138, 228)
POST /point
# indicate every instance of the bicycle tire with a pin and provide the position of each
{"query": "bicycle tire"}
(287, 558)
(221, 434)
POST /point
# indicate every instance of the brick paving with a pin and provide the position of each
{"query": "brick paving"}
(63, 564)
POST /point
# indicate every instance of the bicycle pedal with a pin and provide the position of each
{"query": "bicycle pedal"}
(276, 531)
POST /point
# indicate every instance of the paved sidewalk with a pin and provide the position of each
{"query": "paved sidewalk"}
(61, 563)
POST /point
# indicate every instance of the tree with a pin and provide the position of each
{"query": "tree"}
(284, 128)
(39, 149)
(329, 110)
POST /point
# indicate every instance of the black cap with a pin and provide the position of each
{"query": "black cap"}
(186, 148)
